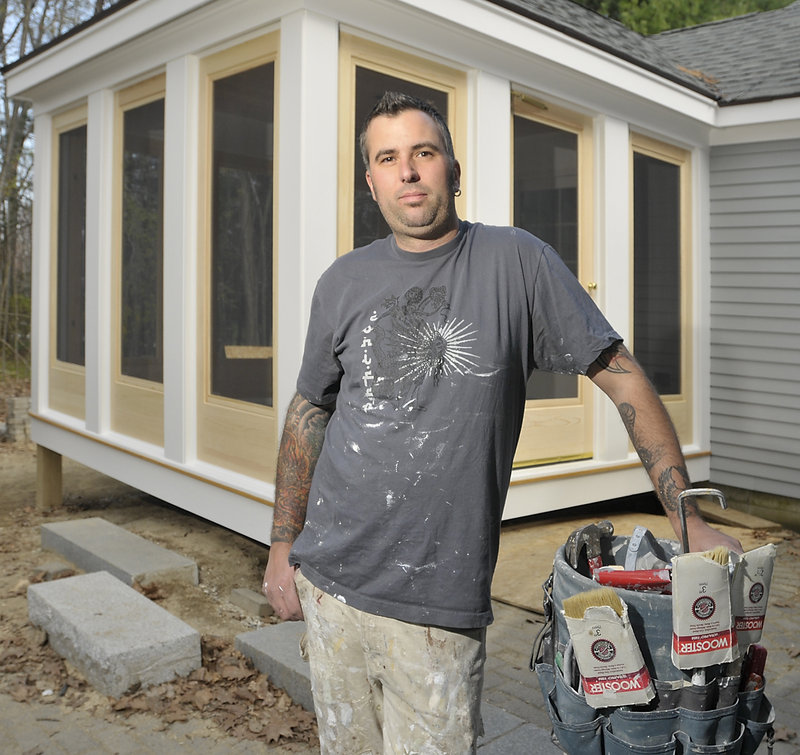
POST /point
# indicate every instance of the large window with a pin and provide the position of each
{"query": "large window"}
(236, 426)
(657, 270)
(661, 255)
(142, 248)
(367, 70)
(137, 391)
(551, 198)
(242, 229)
(67, 373)
(71, 254)
(546, 204)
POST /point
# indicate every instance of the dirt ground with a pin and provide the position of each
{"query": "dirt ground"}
(227, 693)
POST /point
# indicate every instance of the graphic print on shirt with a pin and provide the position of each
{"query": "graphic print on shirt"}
(413, 342)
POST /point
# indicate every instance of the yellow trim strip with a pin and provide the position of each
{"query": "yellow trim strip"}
(612, 468)
(151, 460)
(259, 499)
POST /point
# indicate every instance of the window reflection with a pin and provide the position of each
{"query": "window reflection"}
(657, 271)
(71, 246)
(142, 242)
(546, 205)
(241, 258)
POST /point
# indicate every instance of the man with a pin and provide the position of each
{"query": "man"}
(397, 449)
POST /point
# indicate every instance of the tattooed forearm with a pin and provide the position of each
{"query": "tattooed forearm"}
(647, 454)
(671, 482)
(628, 414)
(621, 377)
(301, 444)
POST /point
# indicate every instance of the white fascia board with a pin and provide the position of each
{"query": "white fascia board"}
(475, 33)
(119, 50)
(491, 26)
(234, 501)
(110, 33)
(545, 489)
(757, 122)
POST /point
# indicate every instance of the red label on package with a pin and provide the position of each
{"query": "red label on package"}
(703, 643)
(749, 623)
(622, 683)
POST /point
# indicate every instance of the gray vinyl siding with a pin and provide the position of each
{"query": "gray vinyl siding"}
(755, 316)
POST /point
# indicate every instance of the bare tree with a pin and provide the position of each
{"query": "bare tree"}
(26, 25)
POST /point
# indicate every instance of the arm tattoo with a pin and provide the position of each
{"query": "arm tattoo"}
(671, 482)
(301, 444)
(610, 361)
(646, 454)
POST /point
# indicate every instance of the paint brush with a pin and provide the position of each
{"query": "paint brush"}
(610, 661)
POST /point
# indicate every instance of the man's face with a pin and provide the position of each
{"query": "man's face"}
(412, 179)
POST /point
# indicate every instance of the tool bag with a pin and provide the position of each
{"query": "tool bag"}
(683, 717)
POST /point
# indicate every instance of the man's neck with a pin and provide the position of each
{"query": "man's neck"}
(414, 244)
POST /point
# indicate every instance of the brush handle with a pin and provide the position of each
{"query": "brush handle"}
(653, 580)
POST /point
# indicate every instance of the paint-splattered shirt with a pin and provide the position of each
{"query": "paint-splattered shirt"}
(427, 356)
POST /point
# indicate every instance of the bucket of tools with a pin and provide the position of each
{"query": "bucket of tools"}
(634, 657)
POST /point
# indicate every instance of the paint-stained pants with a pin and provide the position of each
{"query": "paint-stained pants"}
(385, 686)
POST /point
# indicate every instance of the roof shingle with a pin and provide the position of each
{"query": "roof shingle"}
(749, 58)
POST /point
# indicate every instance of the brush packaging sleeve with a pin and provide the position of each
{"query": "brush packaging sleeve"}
(750, 592)
(612, 668)
(702, 619)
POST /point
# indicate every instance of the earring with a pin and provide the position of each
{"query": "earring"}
(457, 193)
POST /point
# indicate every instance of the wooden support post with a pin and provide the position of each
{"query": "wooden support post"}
(49, 494)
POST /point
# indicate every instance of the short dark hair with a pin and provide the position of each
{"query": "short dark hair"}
(394, 103)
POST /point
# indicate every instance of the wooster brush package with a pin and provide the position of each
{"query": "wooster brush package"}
(703, 633)
(613, 672)
(750, 592)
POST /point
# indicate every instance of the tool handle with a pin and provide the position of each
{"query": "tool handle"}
(691, 492)
(659, 580)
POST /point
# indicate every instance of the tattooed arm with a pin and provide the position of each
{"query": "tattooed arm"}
(301, 444)
(619, 375)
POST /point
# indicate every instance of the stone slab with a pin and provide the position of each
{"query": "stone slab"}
(95, 544)
(254, 603)
(275, 651)
(118, 639)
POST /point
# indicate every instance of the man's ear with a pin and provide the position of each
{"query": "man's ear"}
(369, 183)
(456, 175)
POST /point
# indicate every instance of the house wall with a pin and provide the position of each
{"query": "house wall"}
(755, 316)
(498, 52)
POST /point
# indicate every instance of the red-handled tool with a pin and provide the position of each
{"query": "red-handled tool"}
(753, 668)
(646, 580)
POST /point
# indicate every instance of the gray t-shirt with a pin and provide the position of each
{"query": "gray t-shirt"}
(427, 356)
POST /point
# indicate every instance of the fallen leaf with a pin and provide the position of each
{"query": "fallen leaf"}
(782, 734)
(276, 729)
(21, 693)
(151, 591)
(236, 672)
(37, 636)
(255, 726)
(174, 714)
(202, 698)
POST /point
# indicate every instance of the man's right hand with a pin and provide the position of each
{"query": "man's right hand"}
(278, 585)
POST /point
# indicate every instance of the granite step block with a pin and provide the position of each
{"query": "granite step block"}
(118, 639)
(95, 544)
